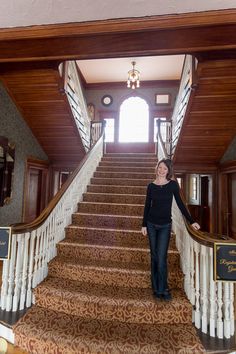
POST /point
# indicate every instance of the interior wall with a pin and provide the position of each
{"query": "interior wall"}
(230, 153)
(118, 95)
(13, 126)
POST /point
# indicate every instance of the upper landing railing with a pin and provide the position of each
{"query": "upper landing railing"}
(72, 87)
(187, 83)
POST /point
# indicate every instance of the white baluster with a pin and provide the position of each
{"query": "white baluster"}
(219, 311)
(231, 301)
(11, 274)
(187, 279)
(54, 236)
(204, 299)
(212, 296)
(192, 274)
(197, 313)
(4, 289)
(24, 271)
(18, 271)
(44, 259)
(226, 308)
(36, 258)
(52, 251)
(39, 256)
(30, 271)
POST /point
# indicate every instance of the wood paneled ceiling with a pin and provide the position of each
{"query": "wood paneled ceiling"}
(210, 122)
(45, 108)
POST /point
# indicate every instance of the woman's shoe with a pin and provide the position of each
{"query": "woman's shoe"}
(167, 296)
(157, 296)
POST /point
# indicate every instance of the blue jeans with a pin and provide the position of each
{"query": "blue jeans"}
(159, 237)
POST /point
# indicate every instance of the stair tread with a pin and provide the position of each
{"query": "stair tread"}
(80, 243)
(115, 194)
(72, 226)
(110, 215)
(121, 179)
(106, 265)
(97, 292)
(109, 236)
(76, 334)
(109, 265)
(104, 203)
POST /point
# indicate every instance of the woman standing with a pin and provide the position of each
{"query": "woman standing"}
(157, 224)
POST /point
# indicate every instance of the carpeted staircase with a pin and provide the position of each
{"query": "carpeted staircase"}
(97, 297)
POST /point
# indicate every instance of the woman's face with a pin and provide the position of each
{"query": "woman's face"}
(162, 170)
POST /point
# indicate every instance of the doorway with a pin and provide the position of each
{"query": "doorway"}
(228, 204)
(134, 121)
(36, 189)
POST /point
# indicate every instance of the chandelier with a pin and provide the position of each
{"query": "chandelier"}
(133, 77)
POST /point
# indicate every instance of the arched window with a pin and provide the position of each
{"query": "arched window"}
(134, 118)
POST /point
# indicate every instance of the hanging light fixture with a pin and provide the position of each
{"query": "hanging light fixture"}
(133, 77)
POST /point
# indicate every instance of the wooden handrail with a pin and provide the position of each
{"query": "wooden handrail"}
(21, 228)
(204, 238)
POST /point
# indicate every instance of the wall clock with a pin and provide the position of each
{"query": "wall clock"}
(107, 100)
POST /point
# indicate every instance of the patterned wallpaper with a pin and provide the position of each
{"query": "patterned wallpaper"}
(13, 126)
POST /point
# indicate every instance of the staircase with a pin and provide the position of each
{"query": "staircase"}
(97, 297)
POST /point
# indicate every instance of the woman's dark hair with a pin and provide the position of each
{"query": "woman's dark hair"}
(169, 165)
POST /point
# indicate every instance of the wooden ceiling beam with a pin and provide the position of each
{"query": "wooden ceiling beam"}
(193, 33)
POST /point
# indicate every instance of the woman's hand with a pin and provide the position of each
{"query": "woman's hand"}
(196, 226)
(144, 231)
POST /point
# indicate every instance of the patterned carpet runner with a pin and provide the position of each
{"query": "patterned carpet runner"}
(97, 297)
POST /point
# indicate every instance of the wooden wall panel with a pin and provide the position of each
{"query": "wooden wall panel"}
(210, 124)
(37, 94)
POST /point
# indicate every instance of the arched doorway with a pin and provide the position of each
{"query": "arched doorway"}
(134, 120)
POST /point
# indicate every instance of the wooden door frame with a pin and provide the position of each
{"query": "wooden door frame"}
(43, 166)
(226, 169)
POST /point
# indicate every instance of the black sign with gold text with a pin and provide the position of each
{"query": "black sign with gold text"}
(225, 262)
(5, 242)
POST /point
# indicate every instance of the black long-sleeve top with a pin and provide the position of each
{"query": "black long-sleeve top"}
(158, 203)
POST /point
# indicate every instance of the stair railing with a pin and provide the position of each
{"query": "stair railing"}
(213, 302)
(95, 131)
(187, 84)
(163, 148)
(34, 245)
(72, 87)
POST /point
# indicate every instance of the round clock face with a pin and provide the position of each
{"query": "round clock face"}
(107, 100)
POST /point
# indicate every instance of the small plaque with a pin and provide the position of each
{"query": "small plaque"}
(162, 99)
(225, 262)
(5, 242)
